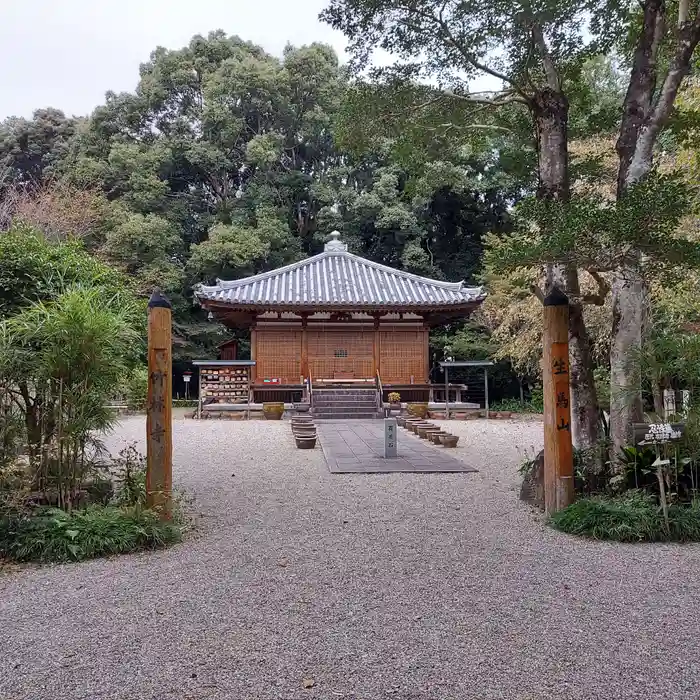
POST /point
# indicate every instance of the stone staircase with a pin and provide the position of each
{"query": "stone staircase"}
(341, 403)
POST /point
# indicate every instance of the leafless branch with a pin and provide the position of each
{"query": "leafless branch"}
(501, 99)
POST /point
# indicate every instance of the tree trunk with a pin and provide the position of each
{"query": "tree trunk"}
(628, 304)
(550, 108)
(644, 115)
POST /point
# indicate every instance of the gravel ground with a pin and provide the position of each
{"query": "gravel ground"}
(409, 586)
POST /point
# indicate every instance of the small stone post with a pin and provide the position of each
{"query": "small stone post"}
(159, 439)
(390, 433)
(558, 449)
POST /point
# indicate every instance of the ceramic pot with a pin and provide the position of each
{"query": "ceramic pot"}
(419, 410)
(306, 443)
(273, 411)
(449, 440)
(424, 430)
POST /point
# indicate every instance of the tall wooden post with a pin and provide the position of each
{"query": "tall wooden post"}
(304, 345)
(558, 450)
(375, 346)
(159, 437)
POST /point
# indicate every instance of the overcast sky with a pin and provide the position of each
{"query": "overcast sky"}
(68, 53)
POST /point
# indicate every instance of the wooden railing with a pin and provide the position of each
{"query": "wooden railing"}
(310, 389)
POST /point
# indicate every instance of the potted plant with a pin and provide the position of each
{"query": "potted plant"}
(394, 402)
(273, 411)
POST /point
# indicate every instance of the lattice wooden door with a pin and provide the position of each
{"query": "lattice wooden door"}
(278, 354)
(403, 354)
(340, 354)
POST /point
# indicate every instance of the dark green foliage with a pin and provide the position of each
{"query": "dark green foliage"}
(33, 149)
(632, 517)
(34, 269)
(590, 234)
(515, 406)
(53, 535)
(129, 471)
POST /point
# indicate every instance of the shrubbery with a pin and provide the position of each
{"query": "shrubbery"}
(71, 336)
(53, 535)
(634, 516)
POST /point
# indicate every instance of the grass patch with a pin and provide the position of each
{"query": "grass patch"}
(632, 517)
(53, 535)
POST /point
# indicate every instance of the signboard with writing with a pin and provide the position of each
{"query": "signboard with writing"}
(390, 447)
(657, 433)
(562, 409)
(274, 380)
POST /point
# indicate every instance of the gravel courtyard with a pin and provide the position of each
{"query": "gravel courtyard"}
(407, 586)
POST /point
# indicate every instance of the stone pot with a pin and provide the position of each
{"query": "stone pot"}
(305, 443)
(419, 410)
(273, 411)
(424, 430)
(400, 421)
(449, 440)
(435, 437)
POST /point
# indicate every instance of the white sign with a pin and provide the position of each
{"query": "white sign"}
(661, 432)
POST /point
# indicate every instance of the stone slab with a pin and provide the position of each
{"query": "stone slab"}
(357, 447)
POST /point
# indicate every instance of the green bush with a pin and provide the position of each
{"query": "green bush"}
(514, 406)
(632, 517)
(53, 535)
(184, 403)
(129, 470)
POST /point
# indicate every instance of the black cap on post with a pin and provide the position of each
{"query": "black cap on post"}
(556, 298)
(158, 300)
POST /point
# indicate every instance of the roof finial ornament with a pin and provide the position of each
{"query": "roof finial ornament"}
(335, 245)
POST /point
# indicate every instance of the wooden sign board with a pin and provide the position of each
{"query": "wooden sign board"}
(562, 409)
(657, 433)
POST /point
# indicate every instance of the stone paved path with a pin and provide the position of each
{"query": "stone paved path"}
(357, 447)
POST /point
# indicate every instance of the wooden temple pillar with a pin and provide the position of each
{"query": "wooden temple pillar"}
(253, 353)
(304, 345)
(376, 348)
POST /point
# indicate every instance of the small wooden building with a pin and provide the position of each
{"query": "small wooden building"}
(337, 317)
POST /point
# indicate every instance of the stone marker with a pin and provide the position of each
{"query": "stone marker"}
(390, 433)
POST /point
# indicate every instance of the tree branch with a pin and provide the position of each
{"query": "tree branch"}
(501, 99)
(447, 32)
(598, 299)
(641, 160)
(641, 86)
(535, 289)
(550, 71)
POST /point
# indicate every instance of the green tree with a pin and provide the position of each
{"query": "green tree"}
(31, 149)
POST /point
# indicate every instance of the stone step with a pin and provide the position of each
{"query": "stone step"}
(339, 415)
(334, 392)
(343, 411)
(318, 400)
